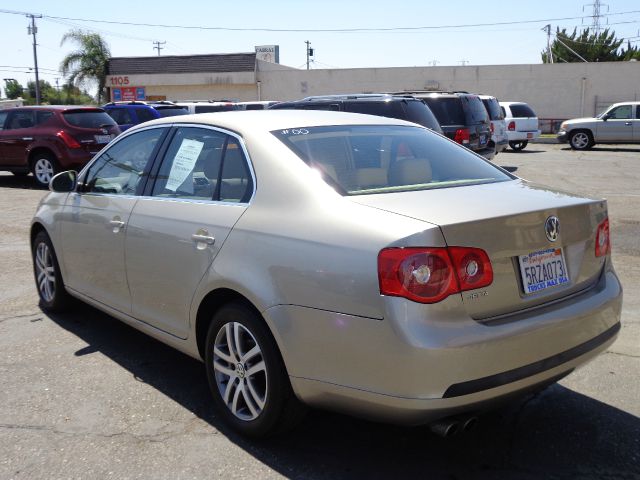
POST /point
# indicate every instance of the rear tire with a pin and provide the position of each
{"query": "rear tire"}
(518, 145)
(53, 296)
(581, 140)
(247, 376)
(44, 166)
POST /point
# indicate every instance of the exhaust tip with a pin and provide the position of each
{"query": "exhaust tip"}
(470, 424)
(445, 429)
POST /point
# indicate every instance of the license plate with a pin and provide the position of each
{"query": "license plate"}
(483, 139)
(102, 138)
(529, 135)
(543, 269)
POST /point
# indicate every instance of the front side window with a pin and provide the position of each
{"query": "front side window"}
(204, 164)
(623, 112)
(359, 159)
(122, 167)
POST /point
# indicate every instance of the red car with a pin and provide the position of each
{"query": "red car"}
(48, 139)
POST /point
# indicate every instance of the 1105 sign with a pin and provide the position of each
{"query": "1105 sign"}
(117, 81)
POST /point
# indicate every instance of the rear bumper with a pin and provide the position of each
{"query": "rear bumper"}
(522, 135)
(412, 369)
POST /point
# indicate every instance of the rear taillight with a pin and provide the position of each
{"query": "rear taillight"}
(603, 240)
(68, 140)
(429, 275)
(512, 126)
(462, 135)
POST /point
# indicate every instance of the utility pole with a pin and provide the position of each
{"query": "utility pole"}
(464, 62)
(309, 52)
(547, 28)
(157, 46)
(32, 30)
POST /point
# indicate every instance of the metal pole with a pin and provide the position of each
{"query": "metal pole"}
(308, 43)
(33, 32)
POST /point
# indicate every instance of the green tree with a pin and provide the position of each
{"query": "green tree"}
(602, 47)
(89, 63)
(12, 88)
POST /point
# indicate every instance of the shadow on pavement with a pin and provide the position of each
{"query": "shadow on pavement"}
(519, 152)
(19, 181)
(556, 433)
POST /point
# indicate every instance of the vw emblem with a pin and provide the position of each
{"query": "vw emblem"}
(552, 228)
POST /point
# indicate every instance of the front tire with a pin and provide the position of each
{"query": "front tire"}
(580, 140)
(53, 296)
(44, 167)
(246, 374)
(518, 145)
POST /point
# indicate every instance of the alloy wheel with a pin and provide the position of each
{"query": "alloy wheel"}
(43, 170)
(45, 272)
(580, 140)
(240, 371)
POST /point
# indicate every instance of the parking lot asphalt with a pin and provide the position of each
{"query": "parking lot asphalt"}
(85, 396)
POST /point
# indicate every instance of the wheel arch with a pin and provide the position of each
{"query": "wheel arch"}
(41, 150)
(36, 228)
(210, 304)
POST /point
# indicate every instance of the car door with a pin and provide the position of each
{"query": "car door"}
(636, 125)
(94, 221)
(618, 126)
(202, 187)
(16, 137)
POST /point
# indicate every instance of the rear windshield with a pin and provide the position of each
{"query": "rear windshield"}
(171, 111)
(521, 110)
(367, 159)
(448, 110)
(88, 118)
(493, 108)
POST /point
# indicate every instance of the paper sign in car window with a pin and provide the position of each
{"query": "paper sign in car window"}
(183, 164)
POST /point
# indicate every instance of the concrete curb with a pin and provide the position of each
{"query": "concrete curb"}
(545, 140)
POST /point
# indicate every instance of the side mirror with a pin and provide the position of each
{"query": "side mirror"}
(605, 117)
(64, 182)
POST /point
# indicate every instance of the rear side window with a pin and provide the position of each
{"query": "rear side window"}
(171, 111)
(493, 108)
(21, 119)
(474, 108)
(418, 112)
(448, 110)
(3, 118)
(88, 118)
(42, 116)
(204, 164)
(521, 110)
(120, 115)
(367, 159)
(145, 114)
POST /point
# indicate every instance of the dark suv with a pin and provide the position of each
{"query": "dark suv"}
(128, 114)
(463, 118)
(403, 108)
(46, 140)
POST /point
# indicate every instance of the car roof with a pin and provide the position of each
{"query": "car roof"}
(513, 103)
(268, 120)
(54, 107)
(350, 97)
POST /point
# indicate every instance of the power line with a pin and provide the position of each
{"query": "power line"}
(328, 30)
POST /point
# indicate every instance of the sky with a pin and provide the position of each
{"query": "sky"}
(419, 33)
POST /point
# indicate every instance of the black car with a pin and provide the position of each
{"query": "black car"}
(463, 118)
(401, 107)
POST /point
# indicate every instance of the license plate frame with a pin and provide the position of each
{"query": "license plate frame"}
(543, 269)
(529, 135)
(102, 138)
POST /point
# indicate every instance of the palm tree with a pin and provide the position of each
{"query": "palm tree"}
(88, 63)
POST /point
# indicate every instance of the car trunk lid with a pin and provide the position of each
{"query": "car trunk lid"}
(507, 220)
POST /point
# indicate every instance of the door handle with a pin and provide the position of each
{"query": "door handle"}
(116, 224)
(209, 240)
(628, 123)
(28, 139)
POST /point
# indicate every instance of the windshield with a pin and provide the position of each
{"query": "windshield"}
(366, 159)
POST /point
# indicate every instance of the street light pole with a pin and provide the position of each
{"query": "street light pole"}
(32, 30)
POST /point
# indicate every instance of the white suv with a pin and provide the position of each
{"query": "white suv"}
(522, 124)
